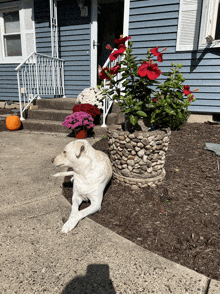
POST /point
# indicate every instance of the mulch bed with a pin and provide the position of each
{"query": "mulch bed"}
(179, 220)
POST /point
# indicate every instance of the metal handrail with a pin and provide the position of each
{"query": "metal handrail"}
(107, 102)
(39, 75)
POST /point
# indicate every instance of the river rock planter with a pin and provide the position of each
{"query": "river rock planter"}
(138, 158)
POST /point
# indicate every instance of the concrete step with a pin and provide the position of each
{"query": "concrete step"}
(56, 103)
(48, 114)
(60, 115)
(65, 104)
(55, 127)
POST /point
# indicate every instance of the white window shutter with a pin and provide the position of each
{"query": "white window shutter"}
(208, 22)
(28, 28)
(188, 25)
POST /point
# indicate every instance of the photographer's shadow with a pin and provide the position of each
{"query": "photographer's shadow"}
(96, 281)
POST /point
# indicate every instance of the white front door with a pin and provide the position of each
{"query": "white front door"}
(104, 32)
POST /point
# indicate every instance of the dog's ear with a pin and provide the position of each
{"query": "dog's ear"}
(79, 148)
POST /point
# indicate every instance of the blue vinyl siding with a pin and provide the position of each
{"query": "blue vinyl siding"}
(74, 46)
(8, 78)
(73, 42)
(8, 82)
(154, 23)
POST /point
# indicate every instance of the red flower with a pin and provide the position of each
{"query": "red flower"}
(116, 53)
(159, 55)
(88, 108)
(191, 98)
(114, 70)
(186, 90)
(121, 40)
(150, 70)
(103, 75)
(154, 51)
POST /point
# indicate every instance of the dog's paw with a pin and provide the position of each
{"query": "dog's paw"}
(69, 225)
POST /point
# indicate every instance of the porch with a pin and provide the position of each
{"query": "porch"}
(42, 74)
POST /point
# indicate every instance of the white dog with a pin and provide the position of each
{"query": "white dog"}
(92, 170)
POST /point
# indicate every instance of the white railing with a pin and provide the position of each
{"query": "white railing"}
(107, 102)
(39, 75)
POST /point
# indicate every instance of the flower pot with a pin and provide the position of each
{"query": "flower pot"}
(138, 158)
(82, 134)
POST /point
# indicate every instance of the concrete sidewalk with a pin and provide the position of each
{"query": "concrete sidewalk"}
(36, 258)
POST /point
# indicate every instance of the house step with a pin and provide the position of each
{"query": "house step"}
(56, 103)
(59, 115)
(55, 127)
(65, 104)
(48, 114)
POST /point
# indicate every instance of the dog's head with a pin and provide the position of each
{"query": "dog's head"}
(74, 155)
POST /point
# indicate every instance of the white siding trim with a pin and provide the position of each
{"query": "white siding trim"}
(94, 38)
(126, 17)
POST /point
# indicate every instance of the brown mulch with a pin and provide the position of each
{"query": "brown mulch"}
(179, 220)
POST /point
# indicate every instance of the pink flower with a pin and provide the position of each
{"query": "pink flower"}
(79, 120)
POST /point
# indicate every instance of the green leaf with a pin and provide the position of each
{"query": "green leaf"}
(141, 113)
(169, 110)
(133, 119)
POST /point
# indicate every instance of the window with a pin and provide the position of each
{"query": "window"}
(199, 24)
(12, 34)
(17, 35)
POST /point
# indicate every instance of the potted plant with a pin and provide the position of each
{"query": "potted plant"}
(138, 156)
(79, 122)
(88, 108)
(92, 96)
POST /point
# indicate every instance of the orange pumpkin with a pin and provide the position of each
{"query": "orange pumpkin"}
(13, 122)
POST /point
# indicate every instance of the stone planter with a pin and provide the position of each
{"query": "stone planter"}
(138, 158)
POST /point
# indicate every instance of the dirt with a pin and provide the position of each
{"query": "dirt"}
(179, 220)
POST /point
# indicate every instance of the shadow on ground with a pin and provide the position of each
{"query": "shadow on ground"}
(96, 281)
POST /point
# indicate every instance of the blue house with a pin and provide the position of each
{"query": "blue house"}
(62, 42)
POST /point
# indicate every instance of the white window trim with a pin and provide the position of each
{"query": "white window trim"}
(208, 24)
(7, 7)
(197, 25)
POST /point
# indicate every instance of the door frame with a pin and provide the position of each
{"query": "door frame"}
(94, 36)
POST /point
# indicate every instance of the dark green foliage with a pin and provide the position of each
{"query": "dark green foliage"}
(169, 107)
